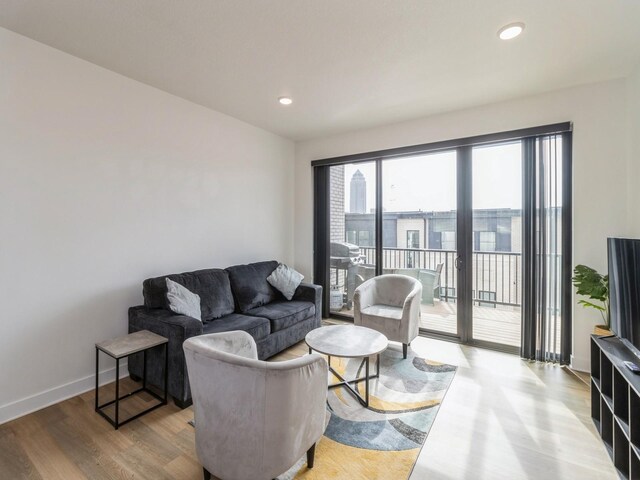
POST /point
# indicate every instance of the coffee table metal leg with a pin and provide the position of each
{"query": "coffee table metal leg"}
(366, 378)
(366, 382)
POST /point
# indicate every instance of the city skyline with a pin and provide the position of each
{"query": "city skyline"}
(496, 165)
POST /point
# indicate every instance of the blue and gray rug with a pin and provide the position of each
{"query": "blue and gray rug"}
(384, 440)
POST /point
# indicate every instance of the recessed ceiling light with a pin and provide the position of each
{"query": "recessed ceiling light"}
(285, 100)
(511, 31)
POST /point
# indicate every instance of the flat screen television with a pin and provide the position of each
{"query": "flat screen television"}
(624, 290)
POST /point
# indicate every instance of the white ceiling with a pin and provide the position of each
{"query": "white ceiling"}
(348, 64)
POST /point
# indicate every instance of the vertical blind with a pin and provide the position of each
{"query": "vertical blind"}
(547, 242)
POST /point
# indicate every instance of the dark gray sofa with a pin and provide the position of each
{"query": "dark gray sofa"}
(236, 298)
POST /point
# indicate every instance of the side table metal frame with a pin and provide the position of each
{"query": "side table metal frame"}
(163, 401)
(346, 383)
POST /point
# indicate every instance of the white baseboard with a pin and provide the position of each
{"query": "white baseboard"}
(33, 403)
(580, 364)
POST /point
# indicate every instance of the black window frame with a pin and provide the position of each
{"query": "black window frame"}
(463, 147)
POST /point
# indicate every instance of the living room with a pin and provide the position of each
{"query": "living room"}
(144, 139)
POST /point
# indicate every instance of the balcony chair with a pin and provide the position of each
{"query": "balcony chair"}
(253, 419)
(430, 280)
(390, 304)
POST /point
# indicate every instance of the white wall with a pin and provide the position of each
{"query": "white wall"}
(633, 86)
(600, 152)
(105, 181)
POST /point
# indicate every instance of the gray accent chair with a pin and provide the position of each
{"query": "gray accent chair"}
(430, 279)
(253, 419)
(390, 304)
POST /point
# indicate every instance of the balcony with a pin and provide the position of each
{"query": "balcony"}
(497, 289)
(496, 275)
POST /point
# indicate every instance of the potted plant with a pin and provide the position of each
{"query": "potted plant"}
(590, 283)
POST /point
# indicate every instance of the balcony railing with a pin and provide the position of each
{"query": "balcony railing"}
(496, 275)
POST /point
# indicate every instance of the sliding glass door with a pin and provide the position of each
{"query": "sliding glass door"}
(483, 224)
(352, 232)
(420, 237)
(419, 228)
(496, 266)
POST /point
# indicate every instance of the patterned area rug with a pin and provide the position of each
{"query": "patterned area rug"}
(384, 440)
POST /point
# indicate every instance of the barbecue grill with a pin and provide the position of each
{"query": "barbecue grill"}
(345, 257)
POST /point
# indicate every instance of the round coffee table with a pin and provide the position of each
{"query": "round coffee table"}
(349, 341)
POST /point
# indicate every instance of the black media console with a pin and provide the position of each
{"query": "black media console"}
(615, 403)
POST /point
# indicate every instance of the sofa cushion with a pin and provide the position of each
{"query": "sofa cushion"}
(212, 285)
(257, 327)
(283, 314)
(384, 311)
(249, 284)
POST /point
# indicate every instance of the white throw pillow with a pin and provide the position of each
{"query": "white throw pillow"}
(182, 300)
(285, 279)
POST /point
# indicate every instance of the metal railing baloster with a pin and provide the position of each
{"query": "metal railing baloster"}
(496, 275)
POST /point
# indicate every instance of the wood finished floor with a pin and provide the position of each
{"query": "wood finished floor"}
(502, 418)
(500, 324)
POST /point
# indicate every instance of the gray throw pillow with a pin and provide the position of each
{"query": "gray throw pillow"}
(182, 300)
(285, 279)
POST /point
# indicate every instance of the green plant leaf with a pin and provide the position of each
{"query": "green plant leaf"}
(595, 286)
(590, 283)
(592, 305)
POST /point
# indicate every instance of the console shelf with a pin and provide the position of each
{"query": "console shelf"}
(615, 403)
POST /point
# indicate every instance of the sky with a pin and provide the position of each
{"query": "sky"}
(428, 182)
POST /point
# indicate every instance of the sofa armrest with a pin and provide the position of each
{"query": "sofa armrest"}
(176, 328)
(309, 292)
(164, 322)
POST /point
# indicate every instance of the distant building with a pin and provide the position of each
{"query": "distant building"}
(494, 230)
(358, 188)
(336, 181)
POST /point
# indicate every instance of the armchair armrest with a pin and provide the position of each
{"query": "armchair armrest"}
(235, 342)
(412, 302)
(301, 386)
(411, 312)
(363, 297)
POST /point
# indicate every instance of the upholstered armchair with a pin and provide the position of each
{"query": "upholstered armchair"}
(390, 304)
(253, 419)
